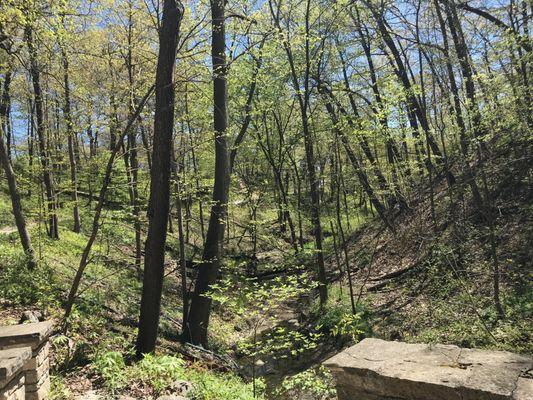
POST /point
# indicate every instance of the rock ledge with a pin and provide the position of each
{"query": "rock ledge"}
(376, 369)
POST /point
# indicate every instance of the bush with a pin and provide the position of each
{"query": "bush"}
(336, 319)
(316, 383)
(212, 386)
(111, 367)
(159, 372)
(58, 389)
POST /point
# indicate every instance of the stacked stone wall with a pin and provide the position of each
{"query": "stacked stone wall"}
(12, 374)
(35, 370)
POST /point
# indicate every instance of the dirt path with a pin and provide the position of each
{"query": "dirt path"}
(8, 230)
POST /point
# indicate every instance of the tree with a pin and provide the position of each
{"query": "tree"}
(159, 203)
(14, 192)
(35, 72)
(303, 94)
(195, 329)
(70, 132)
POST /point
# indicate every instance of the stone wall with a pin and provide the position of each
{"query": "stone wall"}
(35, 370)
(12, 377)
(376, 369)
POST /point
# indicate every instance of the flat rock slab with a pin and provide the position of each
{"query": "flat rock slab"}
(25, 334)
(11, 361)
(379, 369)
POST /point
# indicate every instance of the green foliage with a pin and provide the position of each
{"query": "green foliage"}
(6, 216)
(281, 343)
(24, 287)
(349, 325)
(154, 371)
(58, 389)
(111, 367)
(212, 386)
(159, 371)
(336, 319)
(316, 383)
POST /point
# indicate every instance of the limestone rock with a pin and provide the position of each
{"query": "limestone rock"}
(180, 387)
(378, 369)
(31, 316)
(11, 361)
(25, 334)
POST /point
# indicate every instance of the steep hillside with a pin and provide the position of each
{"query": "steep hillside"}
(432, 280)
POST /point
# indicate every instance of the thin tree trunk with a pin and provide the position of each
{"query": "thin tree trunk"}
(53, 229)
(358, 167)
(195, 170)
(14, 193)
(5, 105)
(177, 168)
(84, 261)
(303, 101)
(70, 138)
(132, 147)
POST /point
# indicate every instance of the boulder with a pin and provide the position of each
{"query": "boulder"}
(180, 387)
(376, 369)
(31, 317)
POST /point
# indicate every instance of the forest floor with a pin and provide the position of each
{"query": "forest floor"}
(430, 281)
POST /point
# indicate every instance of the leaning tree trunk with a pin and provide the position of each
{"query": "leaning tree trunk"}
(195, 329)
(84, 260)
(15, 194)
(159, 203)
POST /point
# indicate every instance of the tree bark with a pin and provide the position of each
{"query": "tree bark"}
(70, 139)
(53, 229)
(303, 96)
(14, 193)
(159, 203)
(5, 105)
(195, 330)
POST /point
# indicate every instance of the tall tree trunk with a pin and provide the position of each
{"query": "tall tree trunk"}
(159, 203)
(5, 106)
(132, 147)
(53, 229)
(70, 138)
(303, 101)
(195, 330)
(14, 193)
(177, 168)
